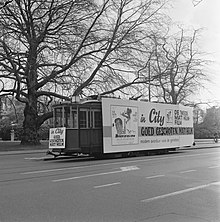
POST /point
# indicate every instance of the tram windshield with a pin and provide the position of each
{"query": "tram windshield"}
(65, 116)
(58, 117)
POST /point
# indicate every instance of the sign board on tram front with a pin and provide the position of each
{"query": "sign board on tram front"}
(57, 138)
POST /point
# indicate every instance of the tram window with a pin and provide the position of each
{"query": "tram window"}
(58, 117)
(74, 118)
(98, 119)
(90, 119)
(83, 119)
(67, 117)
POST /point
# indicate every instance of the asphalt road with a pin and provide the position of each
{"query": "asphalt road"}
(177, 187)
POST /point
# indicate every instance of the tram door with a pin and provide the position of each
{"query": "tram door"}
(90, 134)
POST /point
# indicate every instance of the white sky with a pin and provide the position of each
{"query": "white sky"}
(205, 15)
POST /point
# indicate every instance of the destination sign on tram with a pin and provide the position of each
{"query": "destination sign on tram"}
(57, 137)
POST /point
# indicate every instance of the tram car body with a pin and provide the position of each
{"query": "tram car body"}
(117, 126)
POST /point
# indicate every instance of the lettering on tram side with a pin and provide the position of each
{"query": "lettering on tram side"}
(143, 119)
(155, 117)
(171, 131)
(177, 117)
(166, 131)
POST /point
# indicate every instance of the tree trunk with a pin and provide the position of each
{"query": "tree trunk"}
(30, 127)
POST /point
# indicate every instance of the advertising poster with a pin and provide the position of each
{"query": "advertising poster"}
(157, 128)
(124, 125)
(165, 125)
(137, 125)
(57, 138)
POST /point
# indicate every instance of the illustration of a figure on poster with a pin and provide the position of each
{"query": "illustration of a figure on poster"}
(124, 125)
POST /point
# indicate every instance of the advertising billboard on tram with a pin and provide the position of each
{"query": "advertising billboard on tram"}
(130, 125)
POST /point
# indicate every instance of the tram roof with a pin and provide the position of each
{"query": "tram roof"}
(81, 102)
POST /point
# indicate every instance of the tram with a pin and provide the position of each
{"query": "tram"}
(103, 126)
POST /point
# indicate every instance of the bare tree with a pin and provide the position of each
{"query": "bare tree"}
(179, 65)
(53, 48)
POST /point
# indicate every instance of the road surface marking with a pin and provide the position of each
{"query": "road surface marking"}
(187, 171)
(107, 185)
(128, 168)
(180, 192)
(98, 174)
(156, 176)
(115, 163)
(86, 176)
(212, 167)
(34, 158)
(50, 170)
